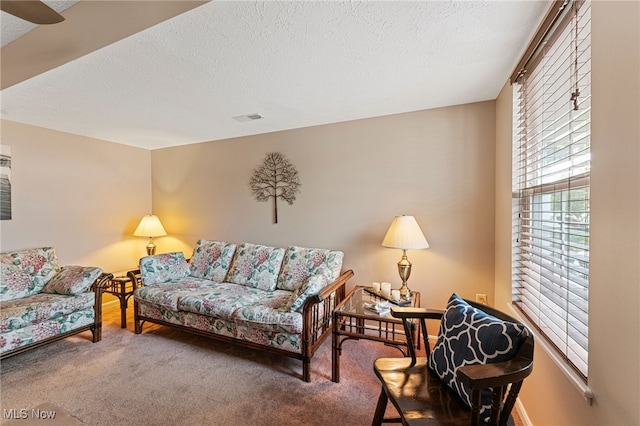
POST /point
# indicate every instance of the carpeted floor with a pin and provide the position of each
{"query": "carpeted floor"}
(164, 377)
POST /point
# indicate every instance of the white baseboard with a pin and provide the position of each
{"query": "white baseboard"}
(111, 302)
(526, 421)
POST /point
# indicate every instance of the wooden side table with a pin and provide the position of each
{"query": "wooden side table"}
(352, 321)
(122, 288)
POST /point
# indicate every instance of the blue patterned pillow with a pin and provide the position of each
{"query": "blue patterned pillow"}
(470, 336)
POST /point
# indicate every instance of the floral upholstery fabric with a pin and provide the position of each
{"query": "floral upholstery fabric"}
(260, 300)
(300, 263)
(20, 313)
(275, 339)
(188, 319)
(211, 260)
(256, 266)
(221, 300)
(16, 338)
(163, 268)
(268, 314)
(25, 272)
(72, 280)
(311, 287)
(285, 341)
(168, 294)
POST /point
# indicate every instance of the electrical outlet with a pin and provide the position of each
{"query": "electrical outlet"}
(481, 298)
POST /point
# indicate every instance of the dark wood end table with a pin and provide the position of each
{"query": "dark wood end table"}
(353, 321)
(122, 288)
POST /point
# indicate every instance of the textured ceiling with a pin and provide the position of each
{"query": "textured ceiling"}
(296, 63)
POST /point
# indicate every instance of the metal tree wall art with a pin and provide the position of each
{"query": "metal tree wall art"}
(275, 178)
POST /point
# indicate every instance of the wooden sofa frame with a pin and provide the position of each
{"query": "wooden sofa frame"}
(316, 326)
(95, 327)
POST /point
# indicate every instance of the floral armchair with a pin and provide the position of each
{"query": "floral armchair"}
(41, 302)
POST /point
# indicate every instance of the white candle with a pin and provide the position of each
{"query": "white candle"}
(386, 289)
(376, 287)
(395, 295)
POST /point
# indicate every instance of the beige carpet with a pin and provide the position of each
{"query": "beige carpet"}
(164, 377)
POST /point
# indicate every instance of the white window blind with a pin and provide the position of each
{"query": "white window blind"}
(551, 168)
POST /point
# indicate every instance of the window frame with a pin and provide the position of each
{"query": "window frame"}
(553, 27)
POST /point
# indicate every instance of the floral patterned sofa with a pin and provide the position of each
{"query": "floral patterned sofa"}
(41, 302)
(268, 298)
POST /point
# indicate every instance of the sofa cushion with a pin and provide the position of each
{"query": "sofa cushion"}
(168, 294)
(48, 328)
(219, 300)
(163, 268)
(19, 313)
(188, 319)
(72, 280)
(311, 287)
(256, 266)
(290, 342)
(300, 263)
(25, 272)
(469, 336)
(211, 260)
(270, 313)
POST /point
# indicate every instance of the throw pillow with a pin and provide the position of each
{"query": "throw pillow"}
(72, 280)
(211, 260)
(300, 263)
(25, 272)
(469, 336)
(163, 268)
(311, 287)
(256, 266)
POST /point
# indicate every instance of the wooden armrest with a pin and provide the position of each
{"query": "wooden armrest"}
(496, 374)
(101, 282)
(134, 275)
(410, 313)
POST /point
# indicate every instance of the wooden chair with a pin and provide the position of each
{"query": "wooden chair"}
(421, 397)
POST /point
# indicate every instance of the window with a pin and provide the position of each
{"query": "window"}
(552, 110)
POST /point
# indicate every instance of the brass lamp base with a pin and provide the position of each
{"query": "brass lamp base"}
(151, 248)
(404, 269)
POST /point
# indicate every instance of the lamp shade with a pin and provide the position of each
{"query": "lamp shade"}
(150, 226)
(405, 233)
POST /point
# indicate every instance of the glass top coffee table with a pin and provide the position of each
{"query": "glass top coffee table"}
(354, 320)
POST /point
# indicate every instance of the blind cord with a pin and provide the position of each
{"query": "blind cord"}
(576, 93)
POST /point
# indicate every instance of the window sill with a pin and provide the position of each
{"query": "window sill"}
(541, 341)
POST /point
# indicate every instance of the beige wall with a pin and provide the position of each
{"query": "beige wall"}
(437, 165)
(80, 195)
(614, 319)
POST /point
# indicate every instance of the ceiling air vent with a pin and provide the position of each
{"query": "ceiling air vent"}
(248, 117)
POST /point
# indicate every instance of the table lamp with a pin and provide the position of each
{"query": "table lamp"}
(405, 234)
(150, 226)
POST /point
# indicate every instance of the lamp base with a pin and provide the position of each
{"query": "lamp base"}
(151, 248)
(404, 269)
(405, 293)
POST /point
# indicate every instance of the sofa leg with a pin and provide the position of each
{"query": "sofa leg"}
(306, 370)
(137, 324)
(96, 332)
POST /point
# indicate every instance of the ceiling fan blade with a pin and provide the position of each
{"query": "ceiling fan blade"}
(32, 11)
